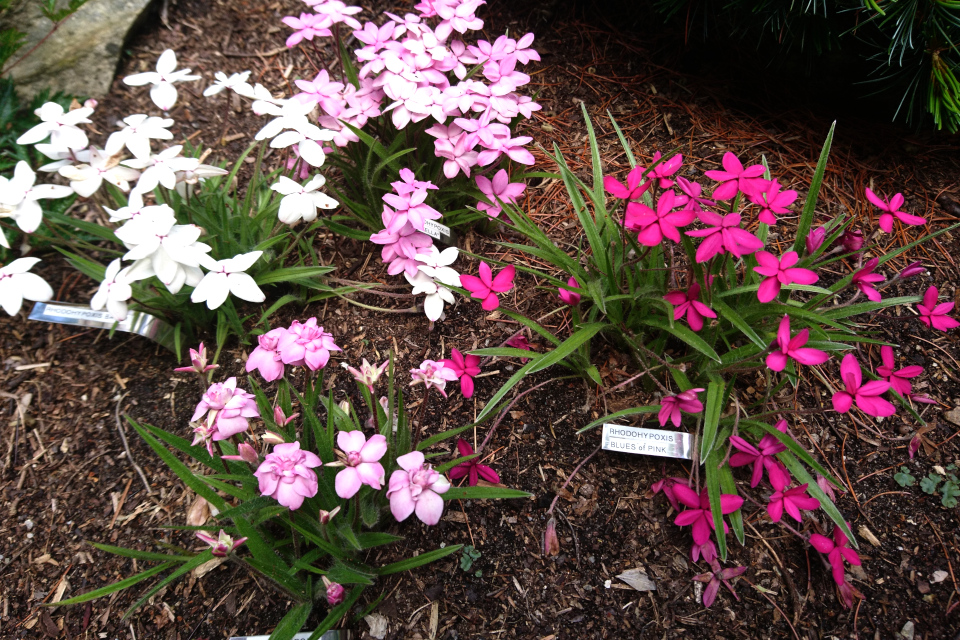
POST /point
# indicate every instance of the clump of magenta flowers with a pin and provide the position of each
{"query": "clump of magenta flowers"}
(707, 301)
(300, 485)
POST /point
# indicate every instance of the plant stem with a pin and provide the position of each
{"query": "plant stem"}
(570, 477)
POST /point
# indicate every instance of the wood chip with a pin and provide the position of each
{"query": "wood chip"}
(638, 579)
(868, 536)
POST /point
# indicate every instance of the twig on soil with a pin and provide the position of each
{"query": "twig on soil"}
(126, 447)
(771, 601)
(795, 596)
(945, 554)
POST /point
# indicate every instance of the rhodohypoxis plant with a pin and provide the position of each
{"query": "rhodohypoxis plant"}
(682, 277)
(321, 477)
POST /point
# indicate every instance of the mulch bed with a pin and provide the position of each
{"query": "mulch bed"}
(66, 477)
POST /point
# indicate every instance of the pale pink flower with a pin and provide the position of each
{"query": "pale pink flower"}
(307, 27)
(433, 375)
(369, 374)
(867, 396)
(362, 460)
(287, 475)
(227, 409)
(500, 188)
(780, 271)
(416, 487)
(198, 362)
(306, 345)
(266, 356)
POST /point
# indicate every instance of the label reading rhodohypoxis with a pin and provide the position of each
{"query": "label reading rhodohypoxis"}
(83, 316)
(648, 442)
(439, 232)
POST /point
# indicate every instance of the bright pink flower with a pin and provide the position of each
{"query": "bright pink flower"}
(793, 348)
(433, 375)
(666, 485)
(891, 210)
(935, 315)
(266, 357)
(198, 362)
(864, 279)
(227, 409)
(665, 169)
(688, 303)
(780, 272)
(334, 591)
(519, 341)
(791, 501)
(815, 239)
(362, 460)
(671, 406)
(287, 475)
(692, 190)
(568, 297)
(708, 550)
(472, 469)
(369, 374)
(771, 200)
(867, 396)
(715, 578)
(762, 456)
(735, 178)
(486, 287)
(633, 189)
(306, 344)
(246, 453)
(723, 233)
(852, 240)
(466, 367)
(222, 544)
(912, 269)
(307, 27)
(416, 487)
(499, 188)
(899, 380)
(837, 551)
(652, 226)
(698, 513)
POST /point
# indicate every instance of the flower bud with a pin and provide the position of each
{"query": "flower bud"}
(912, 269)
(222, 544)
(335, 592)
(344, 406)
(551, 545)
(272, 438)
(571, 298)
(327, 516)
(280, 418)
(815, 239)
(198, 362)
(852, 240)
(90, 103)
(914, 446)
(246, 453)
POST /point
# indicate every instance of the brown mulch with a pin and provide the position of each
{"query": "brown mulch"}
(66, 479)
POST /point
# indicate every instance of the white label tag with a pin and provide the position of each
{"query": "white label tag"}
(83, 316)
(438, 231)
(648, 442)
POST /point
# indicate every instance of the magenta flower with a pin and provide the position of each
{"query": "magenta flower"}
(334, 591)
(912, 269)
(227, 409)
(416, 487)
(698, 515)
(935, 315)
(369, 374)
(486, 287)
(793, 348)
(780, 272)
(762, 456)
(735, 178)
(852, 240)
(246, 453)
(771, 200)
(791, 501)
(567, 296)
(307, 27)
(671, 406)
(723, 233)
(198, 362)
(666, 485)
(266, 357)
(652, 226)
(633, 190)
(715, 578)
(472, 469)
(306, 344)
(899, 380)
(837, 551)
(708, 550)
(665, 169)
(361, 457)
(891, 210)
(465, 367)
(287, 475)
(815, 239)
(688, 303)
(864, 279)
(222, 544)
(692, 190)
(499, 188)
(519, 341)
(867, 396)
(433, 375)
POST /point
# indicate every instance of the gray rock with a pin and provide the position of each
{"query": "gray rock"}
(81, 56)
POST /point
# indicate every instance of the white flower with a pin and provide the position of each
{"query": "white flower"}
(114, 292)
(186, 179)
(136, 134)
(311, 152)
(62, 156)
(16, 284)
(291, 114)
(301, 202)
(163, 93)
(18, 197)
(264, 102)
(436, 294)
(163, 248)
(135, 208)
(237, 83)
(60, 126)
(436, 264)
(85, 179)
(162, 168)
(226, 277)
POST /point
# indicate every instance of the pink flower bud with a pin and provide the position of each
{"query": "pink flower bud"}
(222, 544)
(198, 362)
(914, 446)
(272, 438)
(551, 545)
(815, 239)
(90, 103)
(571, 298)
(281, 419)
(246, 453)
(327, 516)
(852, 240)
(912, 269)
(335, 592)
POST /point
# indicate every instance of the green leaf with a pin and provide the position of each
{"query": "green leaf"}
(729, 485)
(810, 206)
(716, 508)
(292, 274)
(621, 414)
(795, 448)
(803, 477)
(141, 555)
(483, 493)
(117, 586)
(336, 614)
(684, 334)
(711, 418)
(371, 539)
(727, 312)
(345, 572)
(187, 567)
(291, 623)
(418, 561)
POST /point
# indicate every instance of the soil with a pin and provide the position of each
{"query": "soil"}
(68, 480)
